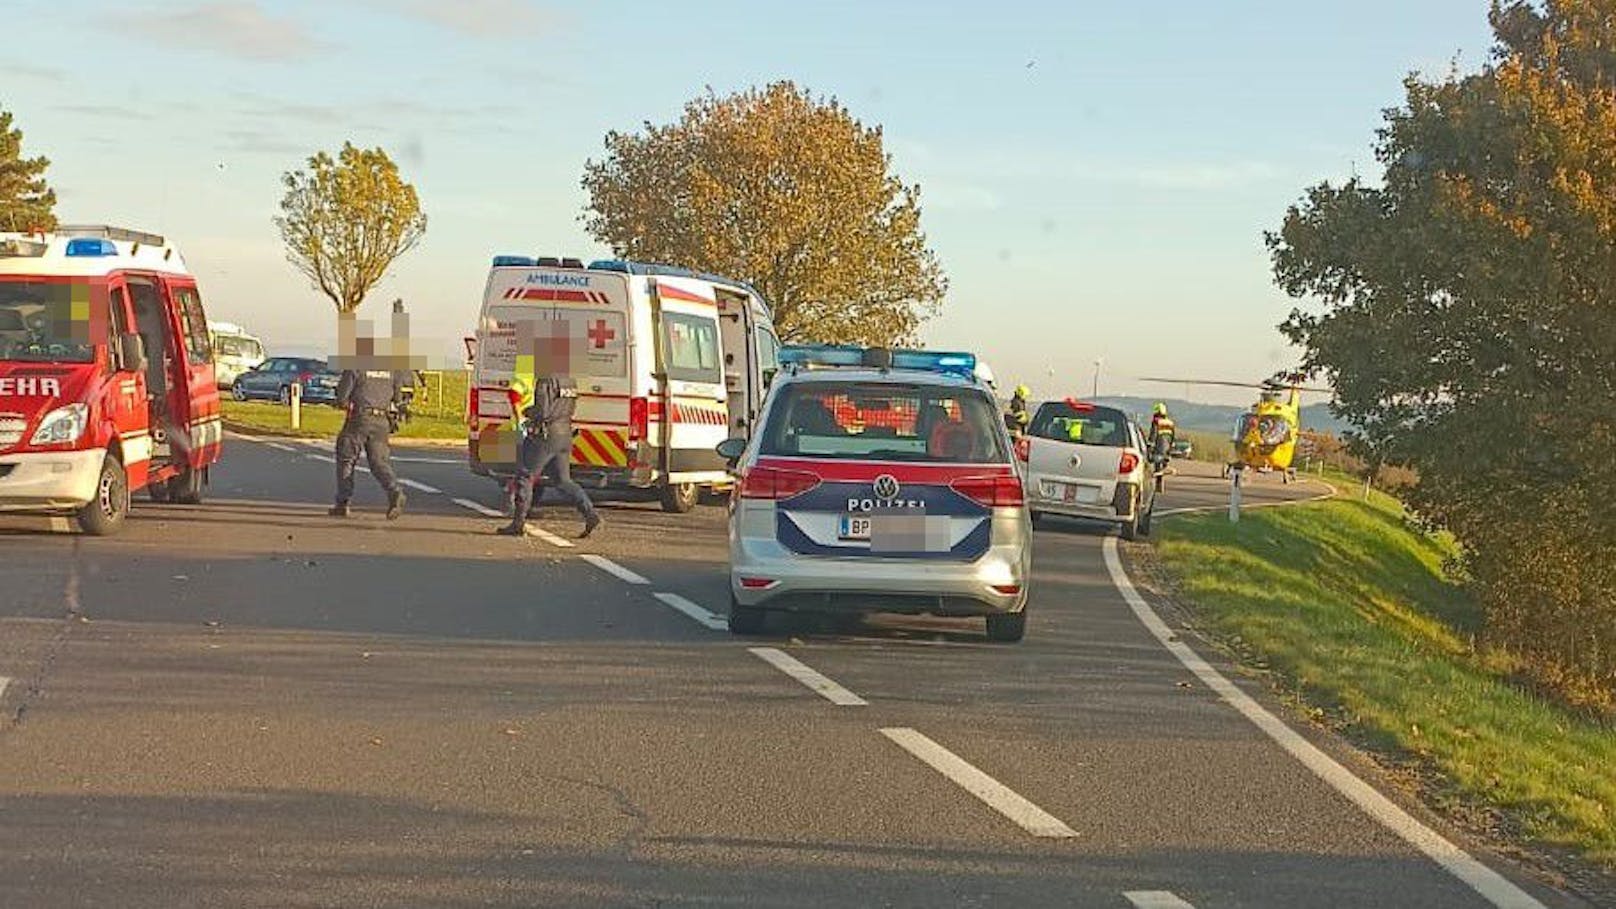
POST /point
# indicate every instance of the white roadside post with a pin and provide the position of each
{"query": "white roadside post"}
(1234, 492)
(297, 404)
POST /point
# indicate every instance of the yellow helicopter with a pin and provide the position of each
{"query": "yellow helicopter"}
(1265, 436)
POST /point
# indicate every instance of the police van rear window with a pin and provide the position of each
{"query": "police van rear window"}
(1084, 425)
(885, 422)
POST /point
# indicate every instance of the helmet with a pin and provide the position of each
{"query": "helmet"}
(1161, 410)
(1023, 391)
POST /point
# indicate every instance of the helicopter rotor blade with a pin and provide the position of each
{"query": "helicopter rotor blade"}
(1204, 382)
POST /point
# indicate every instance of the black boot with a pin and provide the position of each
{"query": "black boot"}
(339, 510)
(395, 504)
(515, 528)
(590, 523)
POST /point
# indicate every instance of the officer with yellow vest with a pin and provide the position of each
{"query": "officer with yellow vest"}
(545, 407)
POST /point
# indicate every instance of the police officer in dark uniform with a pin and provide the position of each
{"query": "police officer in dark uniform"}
(372, 399)
(547, 447)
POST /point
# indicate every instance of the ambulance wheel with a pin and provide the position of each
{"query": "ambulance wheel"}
(186, 489)
(746, 619)
(679, 498)
(1008, 627)
(105, 513)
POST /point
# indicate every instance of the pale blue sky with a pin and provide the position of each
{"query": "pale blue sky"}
(1096, 176)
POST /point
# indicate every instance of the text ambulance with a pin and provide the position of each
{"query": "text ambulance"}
(106, 375)
(669, 363)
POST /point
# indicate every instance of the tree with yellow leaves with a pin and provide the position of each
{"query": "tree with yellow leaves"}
(785, 191)
(345, 220)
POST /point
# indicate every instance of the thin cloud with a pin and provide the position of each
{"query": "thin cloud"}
(234, 28)
(33, 73)
(482, 19)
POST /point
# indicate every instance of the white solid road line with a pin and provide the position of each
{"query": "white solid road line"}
(1492, 886)
(420, 487)
(320, 457)
(703, 617)
(993, 793)
(616, 570)
(809, 677)
(478, 507)
(278, 446)
(3, 683)
(1155, 899)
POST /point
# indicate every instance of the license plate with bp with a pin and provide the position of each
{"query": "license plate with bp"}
(854, 527)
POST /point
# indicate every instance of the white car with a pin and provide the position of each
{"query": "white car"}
(1086, 460)
(879, 481)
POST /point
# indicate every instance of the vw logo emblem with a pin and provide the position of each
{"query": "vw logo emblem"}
(886, 487)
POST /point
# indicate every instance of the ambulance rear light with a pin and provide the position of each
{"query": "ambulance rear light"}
(90, 247)
(772, 483)
(513, 261)
(639, 419)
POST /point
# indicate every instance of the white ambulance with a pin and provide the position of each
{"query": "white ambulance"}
(669, 363)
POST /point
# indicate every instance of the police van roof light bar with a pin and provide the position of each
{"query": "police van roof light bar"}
(841, 355)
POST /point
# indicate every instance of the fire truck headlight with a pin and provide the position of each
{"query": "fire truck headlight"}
(62, 425)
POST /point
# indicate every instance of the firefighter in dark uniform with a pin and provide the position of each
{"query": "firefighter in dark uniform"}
(547, 447)
(373, 399)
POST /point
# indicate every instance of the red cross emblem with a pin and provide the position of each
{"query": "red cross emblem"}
(599, 334)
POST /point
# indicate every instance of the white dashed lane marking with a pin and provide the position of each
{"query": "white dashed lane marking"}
(808, 676)
(615, 570)
(420, 487)
(478, 507)
(702, 616)
(1492, 886)
(993, 793)
(1155, 899)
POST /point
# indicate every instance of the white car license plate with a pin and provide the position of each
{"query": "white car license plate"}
(854, 527)
(1071, 493)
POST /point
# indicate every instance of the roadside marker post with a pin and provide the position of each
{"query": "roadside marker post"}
(295, 395)
(1234, 494)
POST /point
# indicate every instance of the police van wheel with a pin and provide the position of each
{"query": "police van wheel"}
(746, 619)
(1007, 628)
(105, 514)
(679, 498)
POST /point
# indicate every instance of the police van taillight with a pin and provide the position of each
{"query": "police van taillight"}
(773, 483)
(992, 492)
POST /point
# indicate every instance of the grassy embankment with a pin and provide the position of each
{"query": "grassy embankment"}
(439, 413)
(1347, 604)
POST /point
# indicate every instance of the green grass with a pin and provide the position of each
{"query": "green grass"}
(322, 421)
(1346, 602)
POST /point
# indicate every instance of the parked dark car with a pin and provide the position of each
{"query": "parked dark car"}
(1181, 449)
(273, 379)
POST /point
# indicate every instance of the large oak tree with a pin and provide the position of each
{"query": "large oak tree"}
(785, 191)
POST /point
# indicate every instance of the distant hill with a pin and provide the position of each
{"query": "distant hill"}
(1219, 417)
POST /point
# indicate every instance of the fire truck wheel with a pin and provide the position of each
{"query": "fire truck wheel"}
(186, 489)
(679, 498)
(105, 513)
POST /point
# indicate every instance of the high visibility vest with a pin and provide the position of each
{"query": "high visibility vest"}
(524, 385)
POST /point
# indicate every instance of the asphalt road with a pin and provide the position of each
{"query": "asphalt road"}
(248, 703)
